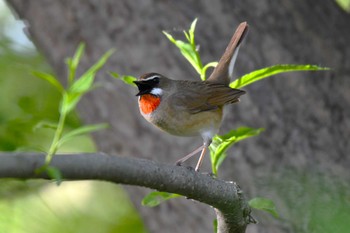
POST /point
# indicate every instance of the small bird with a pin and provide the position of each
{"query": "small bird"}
(191, 108)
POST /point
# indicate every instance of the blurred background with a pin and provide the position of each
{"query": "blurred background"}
(35, 206)
(309, 200)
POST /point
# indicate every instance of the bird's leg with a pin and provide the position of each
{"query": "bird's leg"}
(182, 160)
(204, 150)
(200, 160)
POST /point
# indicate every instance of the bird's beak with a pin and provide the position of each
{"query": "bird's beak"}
(144, 87)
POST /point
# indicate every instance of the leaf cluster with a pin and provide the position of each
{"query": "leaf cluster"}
(70, 96)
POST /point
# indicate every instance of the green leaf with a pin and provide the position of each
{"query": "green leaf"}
(155, 198)
(99, 64)
(128, 79)
(54, 173)
(84, 83)
(272, 70)
(74, 62)
(188, 51)
(204, 70)
(191, 32)
(344, 4)
(220, 144)
(80, 131)
(170, 37)
(187, 36)
(69, 101)
(51, 79)
(264, 204)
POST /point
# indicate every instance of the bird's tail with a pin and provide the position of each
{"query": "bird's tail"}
(223, 71)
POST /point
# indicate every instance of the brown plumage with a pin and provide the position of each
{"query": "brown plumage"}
(223, 71)
(196, 97)
(190, 108)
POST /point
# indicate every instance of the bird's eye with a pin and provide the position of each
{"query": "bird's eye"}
(155, 80)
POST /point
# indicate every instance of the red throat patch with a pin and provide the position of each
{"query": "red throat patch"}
(148, 103)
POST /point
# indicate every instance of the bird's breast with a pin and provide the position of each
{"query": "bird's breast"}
(148, 103)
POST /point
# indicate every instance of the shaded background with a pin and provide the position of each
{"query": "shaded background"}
(38, 206)
(301, 161)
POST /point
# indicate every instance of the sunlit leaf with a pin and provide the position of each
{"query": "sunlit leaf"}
(80, 131)
(344, 4)
(155, 198)
(187, 36)
(74, 62)
(99, 64)
(69, 101)
(188, 51)
(128, 79)
(51, 79)
(220, 144)
(83, 84)
(264, 204)
(170, 37)
(204, 70)
(191, 31)
(270, 71)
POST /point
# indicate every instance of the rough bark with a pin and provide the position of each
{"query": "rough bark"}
(305, 114)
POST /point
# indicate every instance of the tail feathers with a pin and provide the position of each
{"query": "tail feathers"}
(223, 71)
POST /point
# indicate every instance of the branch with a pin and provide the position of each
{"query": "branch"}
(232, 210)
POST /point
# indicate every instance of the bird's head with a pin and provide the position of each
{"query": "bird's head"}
(151, 83)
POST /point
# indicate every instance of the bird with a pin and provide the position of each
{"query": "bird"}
(191, 108)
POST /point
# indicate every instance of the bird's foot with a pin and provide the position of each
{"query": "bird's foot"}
(212, 175)
(178, 163)
(190, 168)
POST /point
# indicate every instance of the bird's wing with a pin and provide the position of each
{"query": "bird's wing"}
(220, 95)
(196, 97)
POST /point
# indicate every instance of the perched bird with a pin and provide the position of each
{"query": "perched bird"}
(191, 108)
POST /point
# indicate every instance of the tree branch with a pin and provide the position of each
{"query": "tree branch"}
(232, 210)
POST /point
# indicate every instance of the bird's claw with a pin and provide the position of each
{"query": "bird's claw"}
(210, 174)
(178, 163)
(190, 168)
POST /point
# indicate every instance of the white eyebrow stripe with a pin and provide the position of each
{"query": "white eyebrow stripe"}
(157, 91)
(152, 77)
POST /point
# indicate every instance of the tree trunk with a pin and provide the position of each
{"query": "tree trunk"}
(305, 114)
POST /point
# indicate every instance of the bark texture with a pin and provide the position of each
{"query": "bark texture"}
(305, 114)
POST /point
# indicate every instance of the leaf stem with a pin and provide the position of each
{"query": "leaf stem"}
(58, 134)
